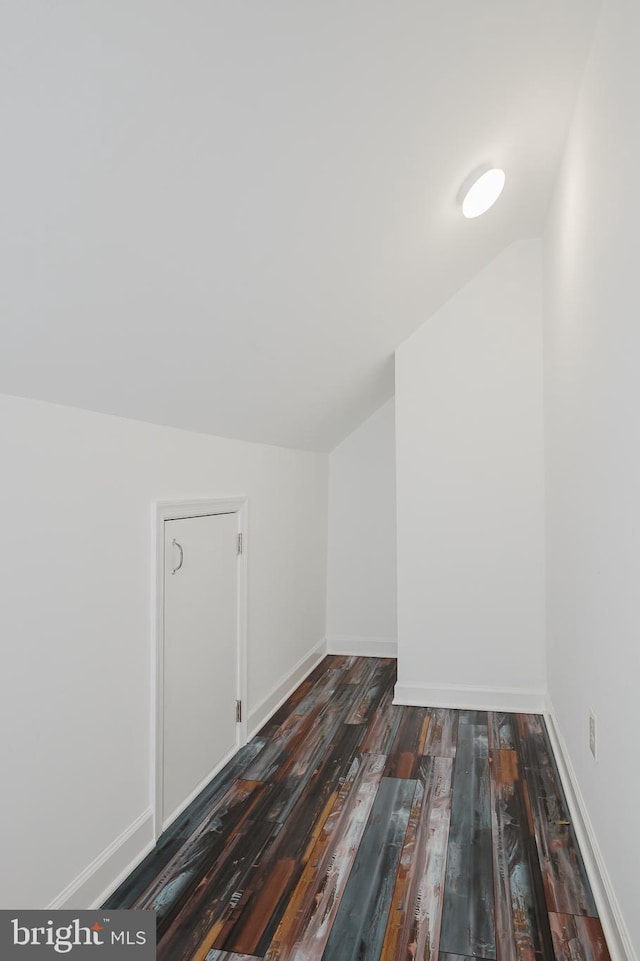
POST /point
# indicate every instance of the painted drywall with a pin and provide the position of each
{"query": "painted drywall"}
(469, 436)
(260, 194)
(77, 617)
(361, 577)
(592, 404)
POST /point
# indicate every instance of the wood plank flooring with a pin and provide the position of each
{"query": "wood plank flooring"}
(351, 829)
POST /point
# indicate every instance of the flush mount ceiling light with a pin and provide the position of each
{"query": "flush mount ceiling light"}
(481, 190)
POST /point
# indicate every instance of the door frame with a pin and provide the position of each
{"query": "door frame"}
(177, 510)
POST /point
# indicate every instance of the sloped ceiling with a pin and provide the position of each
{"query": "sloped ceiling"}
(224, 215)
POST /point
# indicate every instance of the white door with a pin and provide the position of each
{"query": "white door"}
(200, 654)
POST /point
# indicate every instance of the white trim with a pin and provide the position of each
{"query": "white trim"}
(94, 885)
(613, 925)
(196, 791)
(362, 646)
(279, 694)
(174, 510)
(513, 699)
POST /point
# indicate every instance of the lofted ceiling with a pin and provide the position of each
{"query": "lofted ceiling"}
(224, 215)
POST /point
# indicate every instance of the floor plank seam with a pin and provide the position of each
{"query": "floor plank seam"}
(375, 831)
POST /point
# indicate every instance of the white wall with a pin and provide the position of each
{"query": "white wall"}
(592, 389)
(76, 618)
(469, 434)
(361, 580)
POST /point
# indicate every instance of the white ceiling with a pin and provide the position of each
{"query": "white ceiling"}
(224, 215)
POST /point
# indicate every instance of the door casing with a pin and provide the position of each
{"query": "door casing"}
(174, 510)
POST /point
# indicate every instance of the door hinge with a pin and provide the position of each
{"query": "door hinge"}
(239, 543)
(238, 711)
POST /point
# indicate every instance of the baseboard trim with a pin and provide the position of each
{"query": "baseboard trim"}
(100, 878)
(197, 790)
(362, 646)
(276, 698)
(515, 699)
(613, 925)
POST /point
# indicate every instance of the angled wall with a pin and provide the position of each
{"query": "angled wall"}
(469, 435)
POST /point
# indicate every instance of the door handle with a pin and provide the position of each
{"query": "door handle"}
(180, 562)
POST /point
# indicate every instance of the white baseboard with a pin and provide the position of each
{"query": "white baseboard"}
(613, 925)
(197, 790)
(109, 869)
(515, 699)
(276, 698)
(362, 646)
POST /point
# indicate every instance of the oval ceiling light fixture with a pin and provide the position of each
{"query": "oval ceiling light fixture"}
(481, 190)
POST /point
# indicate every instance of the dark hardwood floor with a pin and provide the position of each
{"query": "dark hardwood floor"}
(350, 828)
